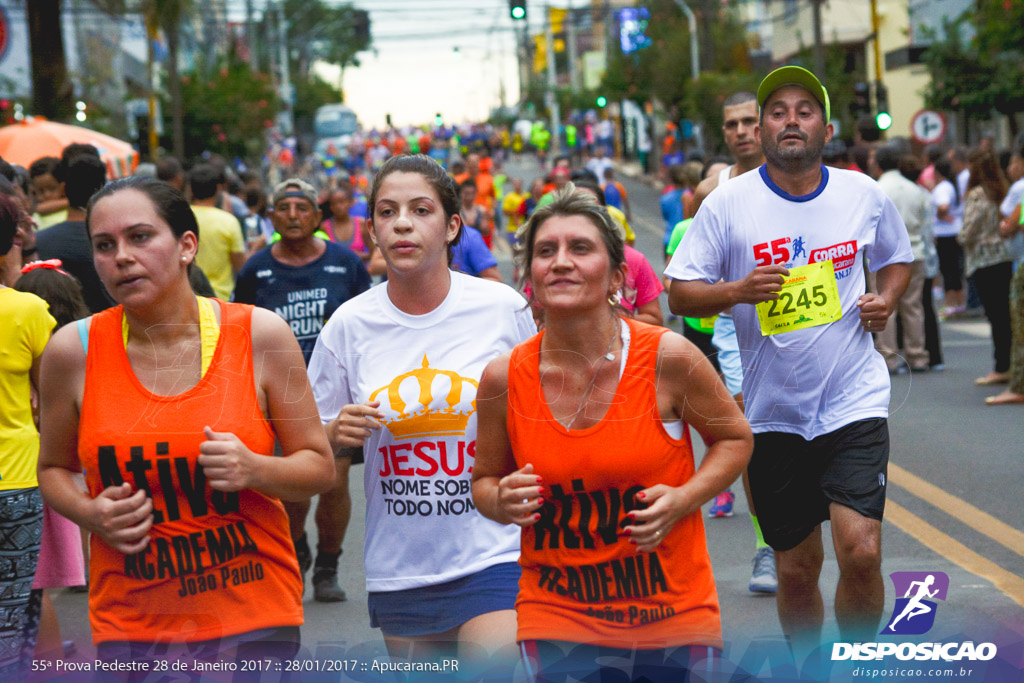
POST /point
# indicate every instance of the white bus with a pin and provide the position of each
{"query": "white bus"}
(334, 124)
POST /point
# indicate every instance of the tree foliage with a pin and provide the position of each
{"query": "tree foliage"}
(228, 109)
(662, 72)
(977, 64)
(706, 95)
(311, 93)
(335, 34)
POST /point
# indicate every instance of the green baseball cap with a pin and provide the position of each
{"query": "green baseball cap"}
(794, 75)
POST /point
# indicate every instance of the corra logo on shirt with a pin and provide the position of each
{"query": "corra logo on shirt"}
(335, 269)
(264, 273)
(842, 255)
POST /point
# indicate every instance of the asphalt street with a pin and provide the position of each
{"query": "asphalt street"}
(953, 506)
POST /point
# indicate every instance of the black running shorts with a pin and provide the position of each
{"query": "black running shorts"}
(793, 481)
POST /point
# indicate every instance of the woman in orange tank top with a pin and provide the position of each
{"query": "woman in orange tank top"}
(171, 404)
(583, 443)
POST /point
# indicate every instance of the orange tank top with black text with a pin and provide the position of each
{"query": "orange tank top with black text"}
(217, 564)
(582, 581)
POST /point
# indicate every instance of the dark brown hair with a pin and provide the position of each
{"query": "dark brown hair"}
(433, 173)
(61, 291)
(985, 172)
(10, 214)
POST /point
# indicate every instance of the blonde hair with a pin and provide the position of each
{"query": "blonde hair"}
(570, 201)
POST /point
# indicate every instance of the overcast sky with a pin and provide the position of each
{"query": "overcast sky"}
(414, 71)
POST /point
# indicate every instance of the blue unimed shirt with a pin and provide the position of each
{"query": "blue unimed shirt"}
(305, 296)
(470, 254)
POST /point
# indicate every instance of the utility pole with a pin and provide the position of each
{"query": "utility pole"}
(151, 78)
(550, 96)
(250, 36)
(523, 53)
(691, 19)
(570, 36)
(286, 84)
(819, 49)
(876, 40)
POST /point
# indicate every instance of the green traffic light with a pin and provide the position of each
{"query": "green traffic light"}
(883, 120)
(602, 101)
(518, 12)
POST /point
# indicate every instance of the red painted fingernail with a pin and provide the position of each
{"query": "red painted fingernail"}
(641, 495)
(540, 490)
(633, 541)
(539, 480)
(536, 517)
(628, 532)
(540, 501)
(632, 517)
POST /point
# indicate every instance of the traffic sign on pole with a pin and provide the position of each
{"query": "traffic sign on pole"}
(928, 127)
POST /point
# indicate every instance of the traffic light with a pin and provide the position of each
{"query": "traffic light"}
(517, 9)
(438, 120)
(602, 101)
(80, 115)
(882, 118)
(861, 104)
(361, 24)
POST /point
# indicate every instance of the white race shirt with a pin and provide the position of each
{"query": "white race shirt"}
(944, 194)
(814, 380)
(421, 526)
(1013, 198)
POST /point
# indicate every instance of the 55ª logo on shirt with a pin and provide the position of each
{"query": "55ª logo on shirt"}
(773, 253)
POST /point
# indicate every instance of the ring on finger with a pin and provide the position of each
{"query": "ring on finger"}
(657, 534)
(526, 501)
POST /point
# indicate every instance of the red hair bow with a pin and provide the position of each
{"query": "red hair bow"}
(52, 264)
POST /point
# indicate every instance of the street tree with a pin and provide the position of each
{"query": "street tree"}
(330, 33)
(975, 63)
(229, 108)
(661, 71)
(52, 93)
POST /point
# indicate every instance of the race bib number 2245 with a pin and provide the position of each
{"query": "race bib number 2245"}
(809, 297)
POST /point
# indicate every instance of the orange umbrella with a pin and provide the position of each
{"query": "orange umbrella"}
(23, 142)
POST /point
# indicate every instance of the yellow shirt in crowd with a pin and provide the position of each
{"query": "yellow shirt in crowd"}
(220, 235)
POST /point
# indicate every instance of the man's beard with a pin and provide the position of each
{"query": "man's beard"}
(794, 159)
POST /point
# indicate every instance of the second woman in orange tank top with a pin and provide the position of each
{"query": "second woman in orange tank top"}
(175, 432)
(583, 442)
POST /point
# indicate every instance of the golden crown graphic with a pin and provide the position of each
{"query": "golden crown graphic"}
(427, 421)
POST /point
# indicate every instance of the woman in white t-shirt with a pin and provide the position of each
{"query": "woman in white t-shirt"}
(949, 212)
(395, 373)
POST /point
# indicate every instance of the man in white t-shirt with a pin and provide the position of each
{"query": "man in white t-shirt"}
(785, 247)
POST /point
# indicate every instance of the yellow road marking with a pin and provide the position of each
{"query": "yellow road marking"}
(978, 520)
(955, 551)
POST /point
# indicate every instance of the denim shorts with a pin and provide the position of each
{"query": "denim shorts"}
(436, 609)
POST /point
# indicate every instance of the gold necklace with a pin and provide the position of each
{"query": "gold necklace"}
(608, 355)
